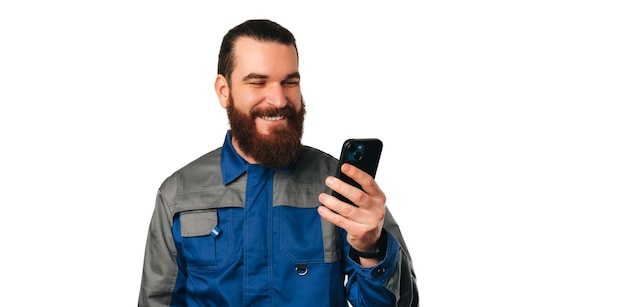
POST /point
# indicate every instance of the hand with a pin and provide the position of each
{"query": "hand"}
(363, 223)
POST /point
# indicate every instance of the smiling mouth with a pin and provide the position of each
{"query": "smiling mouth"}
(272, 118)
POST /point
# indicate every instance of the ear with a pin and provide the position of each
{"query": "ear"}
(222, 90)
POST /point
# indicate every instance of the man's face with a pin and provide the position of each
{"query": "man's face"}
(264, 105)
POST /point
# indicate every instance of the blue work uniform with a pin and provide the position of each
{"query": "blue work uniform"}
(228, 233)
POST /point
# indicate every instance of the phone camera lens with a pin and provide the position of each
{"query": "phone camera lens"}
(351, 147)
(358, 156)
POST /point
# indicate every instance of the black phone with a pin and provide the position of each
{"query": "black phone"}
(362, 153)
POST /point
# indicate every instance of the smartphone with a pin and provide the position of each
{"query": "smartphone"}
(362, 153)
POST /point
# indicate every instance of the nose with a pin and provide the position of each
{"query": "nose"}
(276, 96)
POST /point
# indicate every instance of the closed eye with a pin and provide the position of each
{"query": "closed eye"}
(291, 83)
(255, 79)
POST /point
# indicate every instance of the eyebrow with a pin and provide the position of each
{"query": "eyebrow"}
(254, 76)
(293, 75)
(251, 76)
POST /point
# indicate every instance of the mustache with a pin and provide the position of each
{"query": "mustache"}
(287, 111)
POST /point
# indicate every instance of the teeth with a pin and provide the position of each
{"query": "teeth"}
(273, 118)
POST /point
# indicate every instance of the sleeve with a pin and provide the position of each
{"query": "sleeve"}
(160, 270)
(391, 282)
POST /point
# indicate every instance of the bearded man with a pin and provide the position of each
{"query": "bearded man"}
(253, 223)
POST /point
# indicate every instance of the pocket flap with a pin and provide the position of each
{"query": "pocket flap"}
(198, 223)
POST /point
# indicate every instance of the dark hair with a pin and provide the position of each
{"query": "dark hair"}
(259, 29)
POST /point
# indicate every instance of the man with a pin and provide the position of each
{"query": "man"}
(243, 225)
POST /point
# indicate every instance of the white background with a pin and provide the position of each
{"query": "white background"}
(503, 122)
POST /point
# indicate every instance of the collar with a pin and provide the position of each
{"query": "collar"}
(233, 165)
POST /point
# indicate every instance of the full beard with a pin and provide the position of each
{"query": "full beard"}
(278, 149)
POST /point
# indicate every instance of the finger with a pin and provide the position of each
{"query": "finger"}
(328, 213)
(359, 235)
(367, 182)
(338, 206)
(350, 192)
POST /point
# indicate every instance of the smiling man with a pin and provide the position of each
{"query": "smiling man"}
(267, 121)
(253, 223)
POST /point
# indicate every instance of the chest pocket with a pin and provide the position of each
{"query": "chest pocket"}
(206, 243)
(301, 237)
